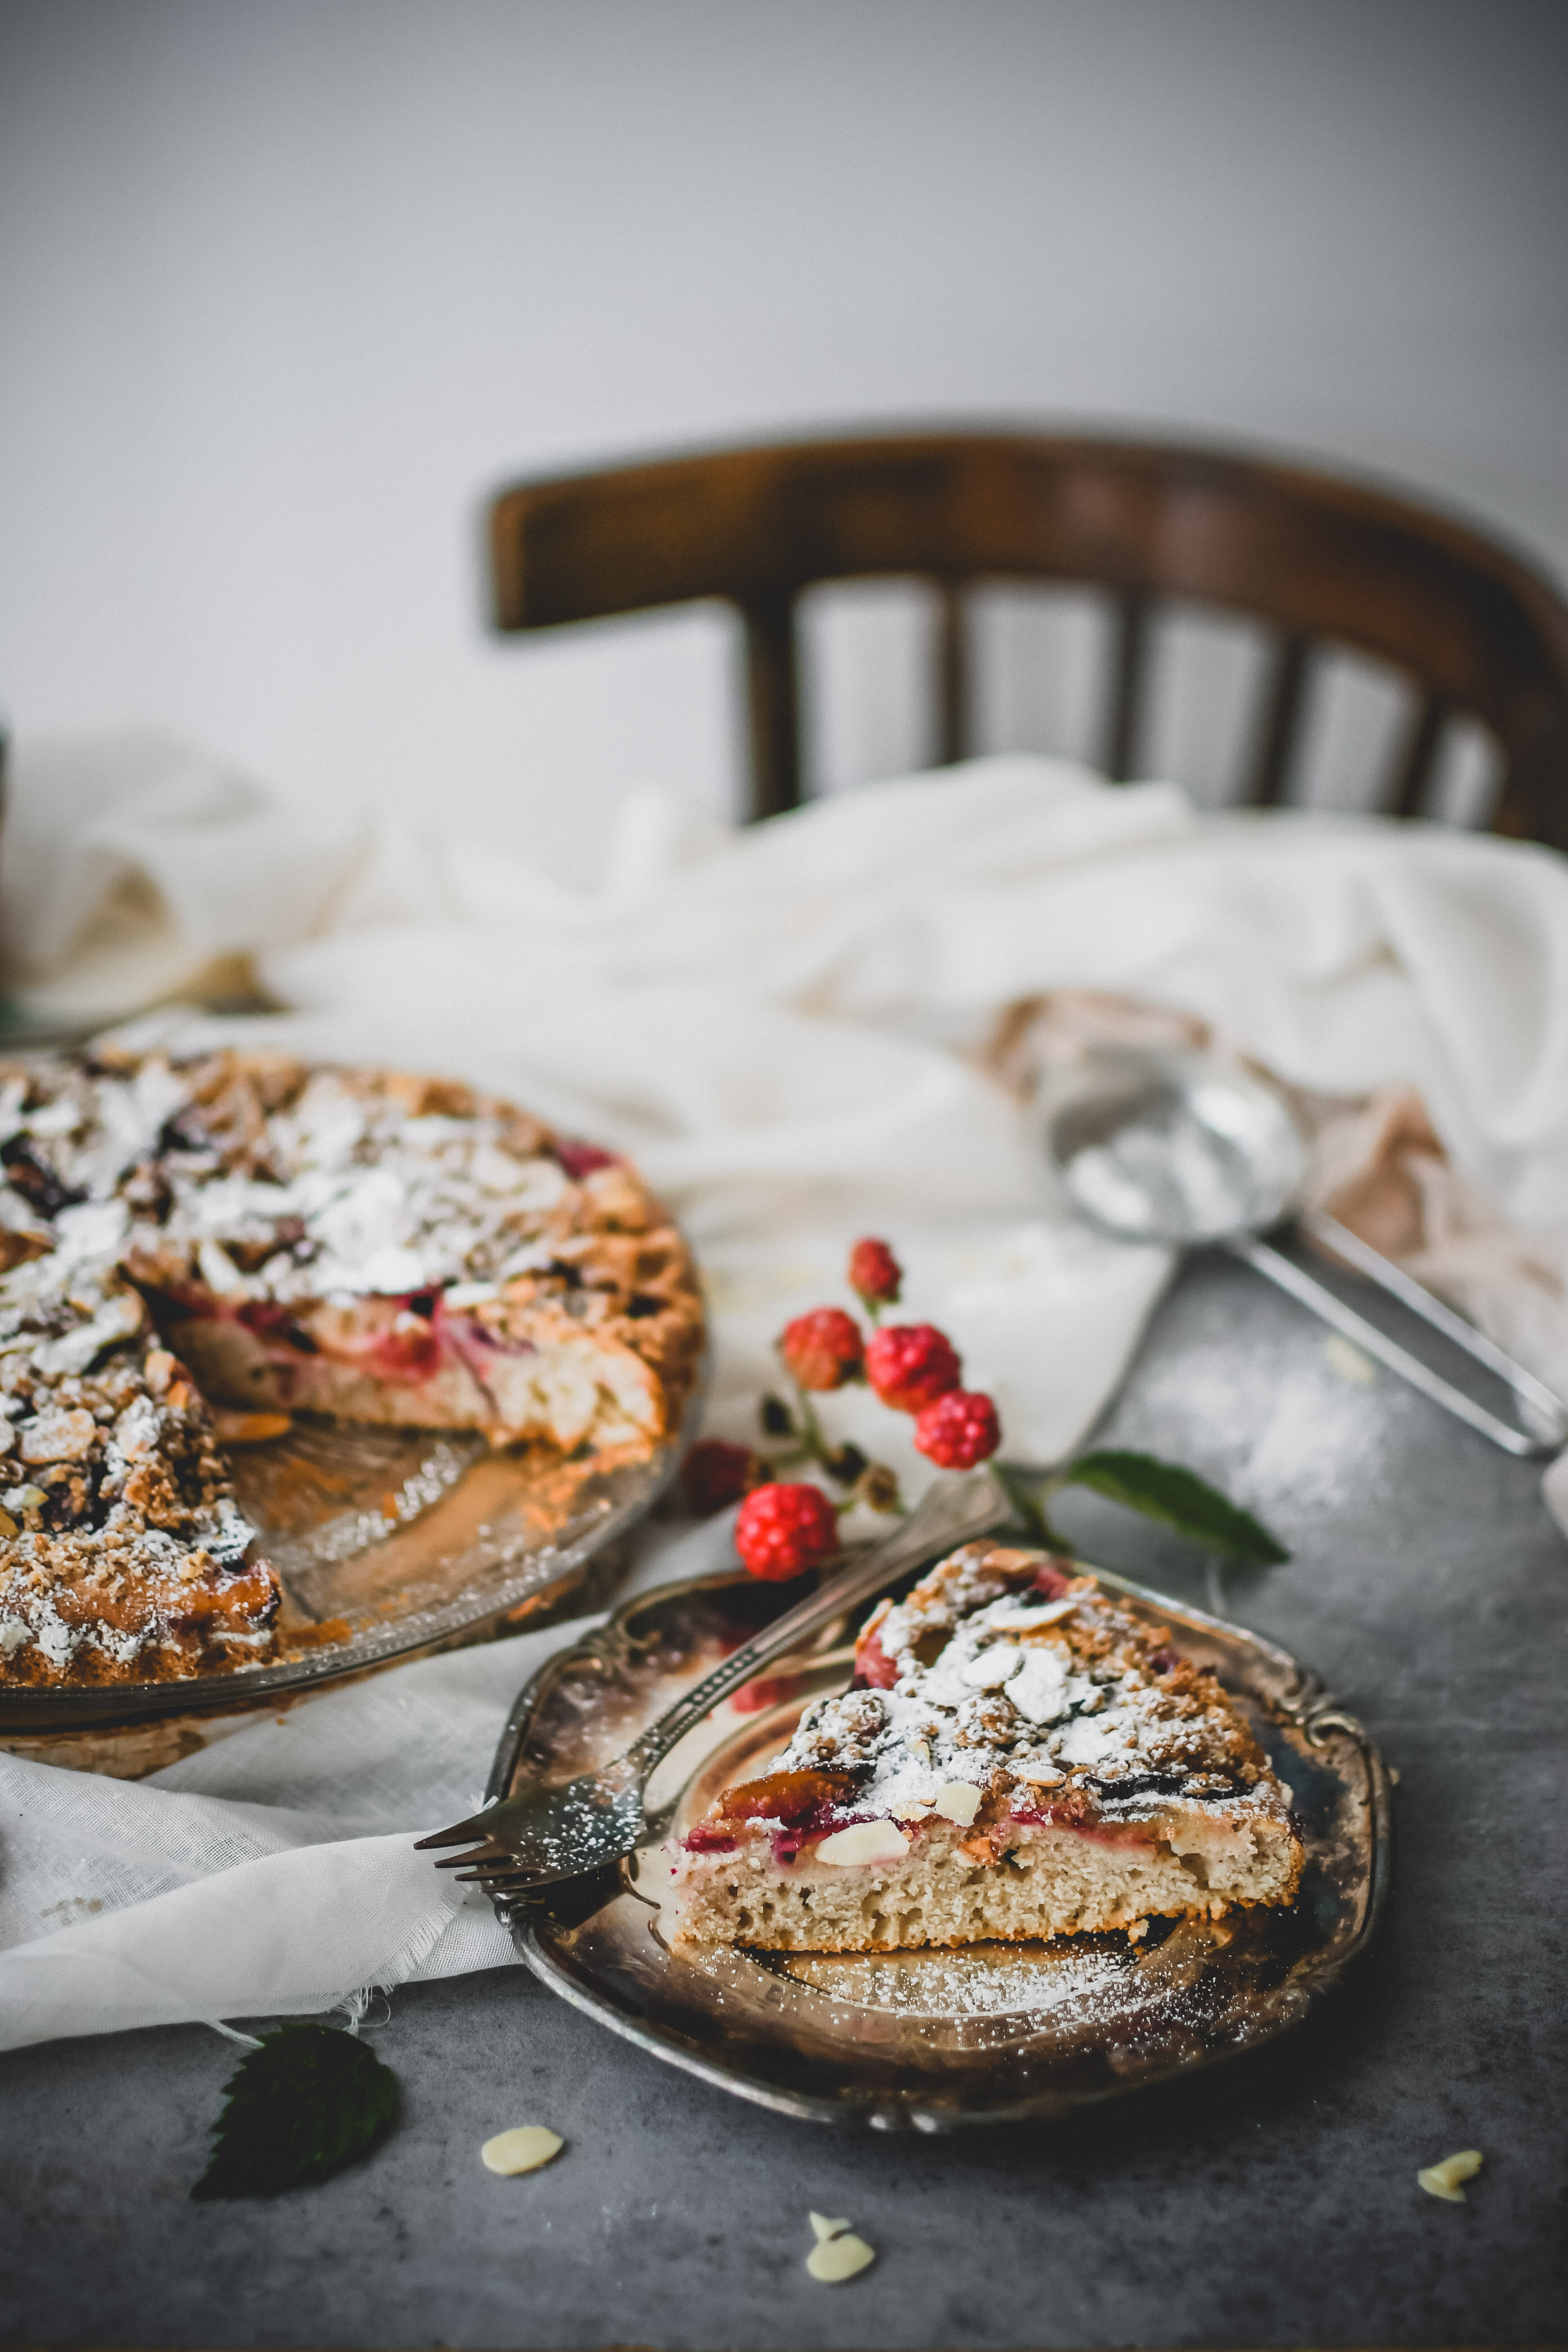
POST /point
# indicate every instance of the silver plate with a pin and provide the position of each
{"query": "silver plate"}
(931, 2041)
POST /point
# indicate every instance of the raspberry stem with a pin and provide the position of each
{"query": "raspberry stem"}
(813, 1444)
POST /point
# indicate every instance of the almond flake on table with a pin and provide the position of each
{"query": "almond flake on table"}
(1443, 2180)
(824, 2228)
(838, 2254)
(523, 2149)
(1348, 1361)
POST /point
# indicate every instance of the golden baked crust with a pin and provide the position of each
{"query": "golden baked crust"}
(265, 1234)
(1019, 1757)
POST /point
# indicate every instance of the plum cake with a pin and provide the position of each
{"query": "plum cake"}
(1018, 1758)
(187, 1247)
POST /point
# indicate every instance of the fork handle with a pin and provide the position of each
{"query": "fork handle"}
(951, 1512)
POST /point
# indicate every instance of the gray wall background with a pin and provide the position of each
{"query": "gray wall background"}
(286, 286)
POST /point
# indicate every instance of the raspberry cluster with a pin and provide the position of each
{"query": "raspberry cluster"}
(786, 1527)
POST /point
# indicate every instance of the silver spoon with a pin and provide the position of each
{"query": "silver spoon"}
(1179, 1148)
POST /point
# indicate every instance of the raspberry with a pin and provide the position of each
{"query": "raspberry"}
(909, 1365)
(875, 1274)
(580, 1160)
(713, 1476)
(959, 1430)
(783, 1530)
(823, 1350)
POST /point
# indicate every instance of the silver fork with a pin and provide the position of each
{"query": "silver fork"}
(542, 1836)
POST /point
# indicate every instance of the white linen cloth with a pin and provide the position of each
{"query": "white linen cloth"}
(780, 1026)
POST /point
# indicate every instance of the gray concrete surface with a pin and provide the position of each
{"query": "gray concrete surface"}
(1270, 2203)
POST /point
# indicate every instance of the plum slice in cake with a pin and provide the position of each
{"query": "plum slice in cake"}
(245, 1230)
(1018, 1758)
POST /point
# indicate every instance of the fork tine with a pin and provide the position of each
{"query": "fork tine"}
(481, 1857)
(461, 1832)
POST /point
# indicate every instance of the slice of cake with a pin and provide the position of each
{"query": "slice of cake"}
(123, 1555)
(251, 1231)
(389, 1248)
(1017, 1758)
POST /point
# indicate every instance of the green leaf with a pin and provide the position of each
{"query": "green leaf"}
(310, 2100)
(1178, 1499)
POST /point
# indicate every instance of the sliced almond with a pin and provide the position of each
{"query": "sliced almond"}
(959, 1802)
(823, 2228)
(1443, 2180)
(219, 1270)
(833, 2259)
(57, 1434)
(523, 2149)
(864, 1842)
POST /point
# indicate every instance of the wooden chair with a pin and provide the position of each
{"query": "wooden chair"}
(1319, 561)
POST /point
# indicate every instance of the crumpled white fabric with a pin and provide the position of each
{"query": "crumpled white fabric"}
(274, 1872)
(780, 1026)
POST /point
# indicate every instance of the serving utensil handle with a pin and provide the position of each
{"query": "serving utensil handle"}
(1310, 1293)
(1342, 1243)
(951, 1512)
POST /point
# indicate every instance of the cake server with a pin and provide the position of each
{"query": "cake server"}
(543, 1836)
(1178, 1147)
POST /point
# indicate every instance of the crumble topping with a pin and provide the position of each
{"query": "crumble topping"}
(121, 1547)
(368, 1243)
(1006, 1681)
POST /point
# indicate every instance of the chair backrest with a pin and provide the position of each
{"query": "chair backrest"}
(1319, 561)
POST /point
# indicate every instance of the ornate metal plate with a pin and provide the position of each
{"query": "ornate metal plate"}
(991, 2033)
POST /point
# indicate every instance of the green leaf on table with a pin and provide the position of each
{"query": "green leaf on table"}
(310, 2100)
(1178, 1499)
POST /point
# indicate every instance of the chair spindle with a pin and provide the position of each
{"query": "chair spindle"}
(773, 705)
(951, 675)
(1284, 699)
(1413, 772)
(1124, 711)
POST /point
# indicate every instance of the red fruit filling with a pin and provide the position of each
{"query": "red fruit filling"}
(580, 1160)
(874, 1670)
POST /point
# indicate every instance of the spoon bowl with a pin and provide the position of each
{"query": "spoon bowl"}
(1176, 1147)
(1179, 1148)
